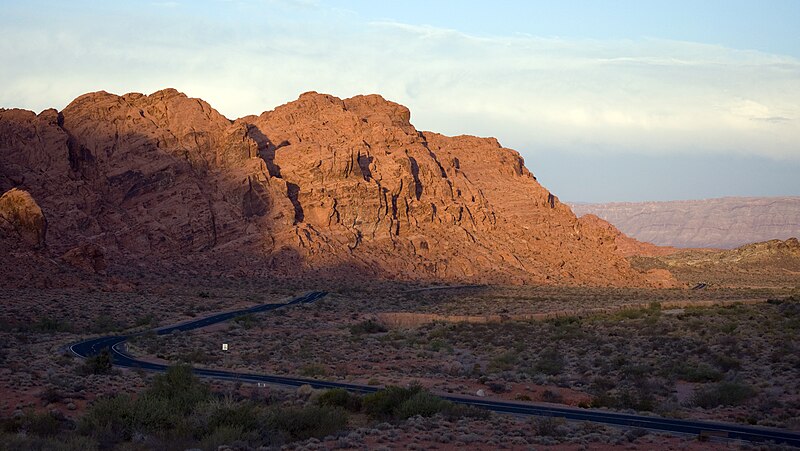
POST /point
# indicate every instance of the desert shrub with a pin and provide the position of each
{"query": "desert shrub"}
(295, 423)
(180, 387)
(313, 370)
(196, 356)
(548, 426)
(727, 363)
(37, 424)
(98, 364)
(145, 320)
(552, 396)
(204, 294)
(164, 406)
(722, 394)
(21, 442)
(384, 403)
(625, 398)
(438, 344)
(422, 403)
(630, 313)
(457, 411)
(550, 362)
(339, 397)
(109, 419)
(52, 325)
(105, 323)
(367, 327)
(214, 414)
(503, 362)
(51, 395)
(246, 321)
(698, 373)
(227, 435)
(401, 403)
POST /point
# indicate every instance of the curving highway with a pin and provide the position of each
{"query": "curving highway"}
(122, 359)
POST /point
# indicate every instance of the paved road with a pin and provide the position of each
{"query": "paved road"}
(92, 347)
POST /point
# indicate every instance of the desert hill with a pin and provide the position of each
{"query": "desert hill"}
(320, 186)
(773, 263)
(723, 223)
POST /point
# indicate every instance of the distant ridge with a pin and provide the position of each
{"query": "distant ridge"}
(724, 223)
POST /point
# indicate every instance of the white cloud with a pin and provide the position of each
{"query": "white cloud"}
(646, 96)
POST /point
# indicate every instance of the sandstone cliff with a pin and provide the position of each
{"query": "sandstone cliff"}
(319, 185)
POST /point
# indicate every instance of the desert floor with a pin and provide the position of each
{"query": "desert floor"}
(666, 352)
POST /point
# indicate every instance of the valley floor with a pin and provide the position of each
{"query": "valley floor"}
(736, 362)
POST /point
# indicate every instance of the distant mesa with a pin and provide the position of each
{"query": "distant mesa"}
(319, 186)
(723, 223)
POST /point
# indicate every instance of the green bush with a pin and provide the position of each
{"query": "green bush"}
(384, 403)
(550, 362)
(246, 321)
(180, 387)
(640, 400)
(503, 362)
(165, 406)
(422, 403)
(698, 373)
(293, 423)
(71, 442)
(401, 403)
(458, 411)
(227, 435)
(216, 414)
(38, 424)
(339, 397)
(313, 370)
(98, 364)
(52, 325)
(105, 323)
(723, 394)
(109, 419)
(549, 426)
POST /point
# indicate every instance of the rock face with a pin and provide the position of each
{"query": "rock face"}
(22, 219)
(319, 185)
(626, 246)
(723, 223)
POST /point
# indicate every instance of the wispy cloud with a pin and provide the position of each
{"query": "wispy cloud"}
(645, 96)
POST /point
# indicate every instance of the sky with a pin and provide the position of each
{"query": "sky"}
(606, 101)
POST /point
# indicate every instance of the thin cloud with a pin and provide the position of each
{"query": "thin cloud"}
(647, 96)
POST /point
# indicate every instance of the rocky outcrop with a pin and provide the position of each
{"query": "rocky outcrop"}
(22, 219)
(320, 185)
(773, 263)
(712, 223)
(87, 257)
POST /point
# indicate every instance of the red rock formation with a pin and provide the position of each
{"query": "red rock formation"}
(87, 257)
(626, 246)
(317, 185)
(22, 219)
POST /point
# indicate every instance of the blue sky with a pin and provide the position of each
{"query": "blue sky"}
(607, 101)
